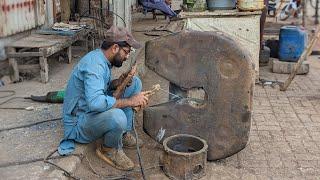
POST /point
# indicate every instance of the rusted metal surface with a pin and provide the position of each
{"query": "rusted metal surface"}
(218, 65)
(185, 157)
(245, 29)
(20, 15)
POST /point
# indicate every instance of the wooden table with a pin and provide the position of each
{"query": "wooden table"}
(42, 46)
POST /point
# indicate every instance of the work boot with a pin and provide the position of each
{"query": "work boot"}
(129, 141)
(115, 157)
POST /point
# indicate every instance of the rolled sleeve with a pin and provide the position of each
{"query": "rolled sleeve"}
(94, 82)
(111, 101)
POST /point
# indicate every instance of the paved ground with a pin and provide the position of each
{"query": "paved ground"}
(284, 138)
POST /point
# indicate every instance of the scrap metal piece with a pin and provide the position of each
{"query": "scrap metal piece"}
(184, 157)
(223, 69)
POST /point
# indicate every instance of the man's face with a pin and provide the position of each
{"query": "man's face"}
(121, 56)
(168, 2)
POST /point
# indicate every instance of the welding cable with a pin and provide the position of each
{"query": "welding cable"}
(122, 176)
(138, 149)
(31, 124)
(12, 93)
(65, 172)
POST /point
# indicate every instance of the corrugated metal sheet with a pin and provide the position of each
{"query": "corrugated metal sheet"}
(122, 10)
(20, 15)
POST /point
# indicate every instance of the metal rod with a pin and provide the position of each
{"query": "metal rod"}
(170, 93)
(316, 21)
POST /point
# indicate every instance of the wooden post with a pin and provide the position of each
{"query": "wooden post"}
(44, 69)
(65, 10)
(284, 86)
(86, 41)
(69, 54)
(13, 66)
(304, 12)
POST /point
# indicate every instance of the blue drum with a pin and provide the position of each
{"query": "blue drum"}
(292, 42)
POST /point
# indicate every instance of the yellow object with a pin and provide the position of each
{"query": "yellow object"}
(250, 5)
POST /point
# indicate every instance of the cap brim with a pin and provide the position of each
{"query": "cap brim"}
(135, 44)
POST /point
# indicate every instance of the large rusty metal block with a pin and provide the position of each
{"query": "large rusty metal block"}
(220, 67)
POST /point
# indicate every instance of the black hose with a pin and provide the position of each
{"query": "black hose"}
(138, 149)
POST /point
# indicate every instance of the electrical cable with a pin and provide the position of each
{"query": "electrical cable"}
(138, 149)
(65, 172)
(31, 124)
(12, 93)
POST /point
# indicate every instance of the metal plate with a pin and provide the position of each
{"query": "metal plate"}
(218, 65)
(20, 15)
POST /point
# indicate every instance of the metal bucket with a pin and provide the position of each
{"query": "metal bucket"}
(221, 4)
(185, 157)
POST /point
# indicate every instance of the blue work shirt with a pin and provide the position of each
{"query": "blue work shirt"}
(86, 92)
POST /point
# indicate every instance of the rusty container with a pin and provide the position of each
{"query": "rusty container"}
(215, 63)
(250, 5)
(185, 157)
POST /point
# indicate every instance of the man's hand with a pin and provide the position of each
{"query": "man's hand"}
(139, 100)
(116, 82)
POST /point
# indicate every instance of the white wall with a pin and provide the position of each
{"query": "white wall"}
(123, 9)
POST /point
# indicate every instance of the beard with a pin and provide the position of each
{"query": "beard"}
(117, 60)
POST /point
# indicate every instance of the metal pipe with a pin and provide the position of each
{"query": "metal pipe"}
(316, 21)
(304, 12)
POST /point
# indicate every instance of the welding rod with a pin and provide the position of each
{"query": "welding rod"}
(170, 93)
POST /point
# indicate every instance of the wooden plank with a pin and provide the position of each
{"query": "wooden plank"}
(37, 41)
(4, 64)
(13, 66)
(218, 13)
(24, 54)
(44, 69)
(29, 66)
(54, 32)
(60, 46)
(65, 10)
(40, 40)
(284, 86)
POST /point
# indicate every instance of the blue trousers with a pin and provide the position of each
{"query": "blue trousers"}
(113, 123)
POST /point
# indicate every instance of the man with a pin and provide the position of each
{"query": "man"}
(161, 5)
(91, 112)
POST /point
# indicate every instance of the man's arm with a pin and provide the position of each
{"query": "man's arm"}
(94, 86)
(137, 100)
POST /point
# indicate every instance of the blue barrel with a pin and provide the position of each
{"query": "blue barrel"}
(221, 4)
(292, 42)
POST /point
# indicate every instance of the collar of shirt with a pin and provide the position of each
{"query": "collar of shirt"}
(106, 59)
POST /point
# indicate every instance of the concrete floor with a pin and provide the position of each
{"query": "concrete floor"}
(284, 139)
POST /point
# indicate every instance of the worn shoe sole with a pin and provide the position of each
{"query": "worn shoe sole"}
(109, 161)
